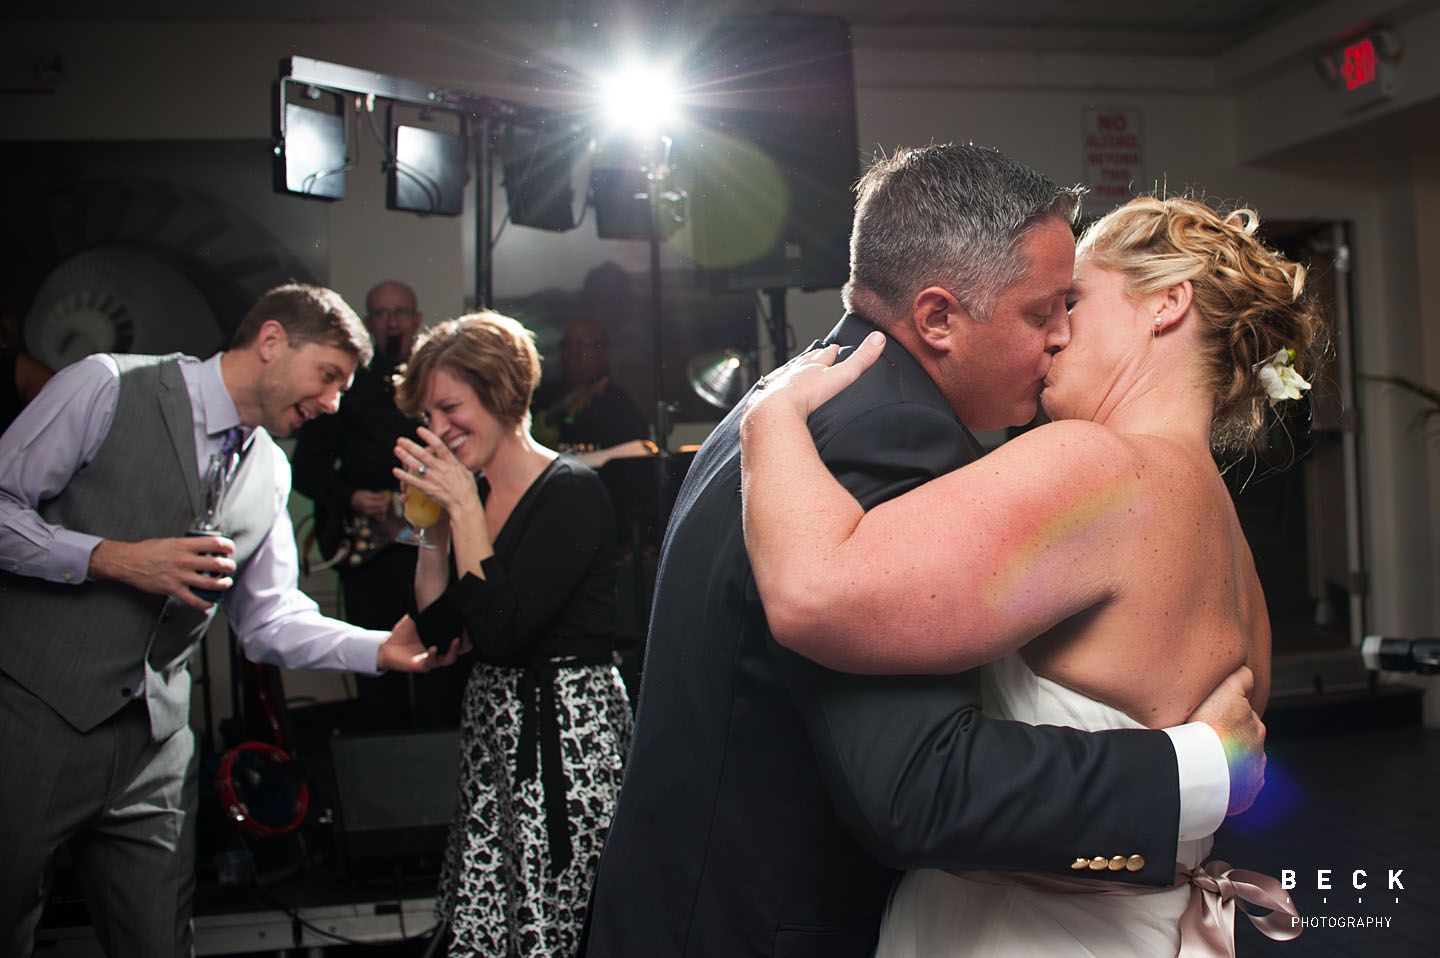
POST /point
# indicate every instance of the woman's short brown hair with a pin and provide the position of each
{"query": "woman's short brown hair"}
(491, 353)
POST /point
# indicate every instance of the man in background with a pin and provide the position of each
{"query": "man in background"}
(343, 463)
(583, 409)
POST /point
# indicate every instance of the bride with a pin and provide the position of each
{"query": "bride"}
(1096, 562)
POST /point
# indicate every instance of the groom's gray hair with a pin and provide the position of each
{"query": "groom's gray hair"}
(949, 216)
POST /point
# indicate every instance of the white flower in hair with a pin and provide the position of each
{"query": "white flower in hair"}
(1280, 379)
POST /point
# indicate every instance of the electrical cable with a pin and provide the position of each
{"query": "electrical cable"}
(307, 185)
(293, 914)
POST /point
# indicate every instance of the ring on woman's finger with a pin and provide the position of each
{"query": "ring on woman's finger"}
(421, 470)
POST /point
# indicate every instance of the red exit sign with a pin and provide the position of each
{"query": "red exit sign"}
(1365, 68)
(1357, 67)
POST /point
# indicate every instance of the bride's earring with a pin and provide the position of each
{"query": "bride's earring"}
(1156, 331)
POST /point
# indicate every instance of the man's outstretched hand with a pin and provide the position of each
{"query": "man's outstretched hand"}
(405, 651)
(1228, 711)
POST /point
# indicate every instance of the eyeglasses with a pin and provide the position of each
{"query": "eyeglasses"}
(399, 312)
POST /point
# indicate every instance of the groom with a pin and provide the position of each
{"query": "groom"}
(767, 800)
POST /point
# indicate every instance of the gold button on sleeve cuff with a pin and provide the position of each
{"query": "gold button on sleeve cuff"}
(1080, 864)
(1134, 863)
(1117, 863)
(1099, 863)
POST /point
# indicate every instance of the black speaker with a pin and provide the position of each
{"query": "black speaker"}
(396, 794)
(621, 198)
(771, 154)
(309, 158)
(542, 163)
(426, 171)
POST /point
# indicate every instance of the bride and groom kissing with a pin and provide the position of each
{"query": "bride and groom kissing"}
(810, 720)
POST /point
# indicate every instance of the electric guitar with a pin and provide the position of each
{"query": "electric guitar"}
(351, 540)
(546, 423)
(634, 449)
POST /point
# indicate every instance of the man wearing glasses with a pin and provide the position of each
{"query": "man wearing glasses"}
(583, 408)
(343, 463)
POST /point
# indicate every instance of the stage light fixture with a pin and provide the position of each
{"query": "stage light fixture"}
(633, 193)
(721, 377)
(542, 164)
(427, 169)
(641, 100)
(310, 144)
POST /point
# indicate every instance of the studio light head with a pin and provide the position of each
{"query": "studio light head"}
(1421, 656)
(642, 100)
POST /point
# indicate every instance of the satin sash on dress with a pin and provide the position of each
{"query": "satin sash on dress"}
(1207, 927)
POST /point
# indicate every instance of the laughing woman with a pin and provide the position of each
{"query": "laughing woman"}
(522, 560)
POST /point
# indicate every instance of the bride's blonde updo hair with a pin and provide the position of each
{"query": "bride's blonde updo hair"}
(1251, 300)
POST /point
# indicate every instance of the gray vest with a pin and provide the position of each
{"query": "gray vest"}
(85, 649)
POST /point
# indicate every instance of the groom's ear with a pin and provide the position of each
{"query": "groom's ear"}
(935, 314)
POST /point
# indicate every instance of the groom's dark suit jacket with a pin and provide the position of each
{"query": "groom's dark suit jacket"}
(767, 800)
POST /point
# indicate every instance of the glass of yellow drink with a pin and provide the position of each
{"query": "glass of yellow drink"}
(422, 512)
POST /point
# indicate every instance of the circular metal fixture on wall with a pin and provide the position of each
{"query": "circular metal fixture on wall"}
(123, 299)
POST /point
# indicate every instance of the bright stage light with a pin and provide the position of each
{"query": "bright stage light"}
(642, 100)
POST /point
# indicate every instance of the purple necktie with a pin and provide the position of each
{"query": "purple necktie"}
(230, 443)
(230, 446)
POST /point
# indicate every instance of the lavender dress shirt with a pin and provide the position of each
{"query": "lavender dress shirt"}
(61, 430)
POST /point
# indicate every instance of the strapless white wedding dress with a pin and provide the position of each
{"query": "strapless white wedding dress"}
(935, 914)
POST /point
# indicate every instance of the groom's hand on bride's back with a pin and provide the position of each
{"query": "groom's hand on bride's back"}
(1228, 711)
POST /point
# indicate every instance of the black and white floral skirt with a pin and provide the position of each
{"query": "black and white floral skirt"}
(497, 890)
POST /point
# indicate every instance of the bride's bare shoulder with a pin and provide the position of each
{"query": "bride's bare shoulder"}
(1079, 458)
(1083, 441)
(1074, 444)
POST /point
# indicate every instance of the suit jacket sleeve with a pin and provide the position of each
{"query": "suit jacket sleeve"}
(915, 769)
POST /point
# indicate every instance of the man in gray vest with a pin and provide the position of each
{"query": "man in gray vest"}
(100, 479)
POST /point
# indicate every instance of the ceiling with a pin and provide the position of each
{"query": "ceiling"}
(1197, 26)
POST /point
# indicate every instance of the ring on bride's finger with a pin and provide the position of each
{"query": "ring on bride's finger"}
(420, 470)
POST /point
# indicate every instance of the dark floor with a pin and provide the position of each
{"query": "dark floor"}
(1346, 802)
(1342, 802)
(1336, 799)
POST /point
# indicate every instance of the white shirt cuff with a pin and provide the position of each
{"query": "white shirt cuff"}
(361, 652)
(1204, 779)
